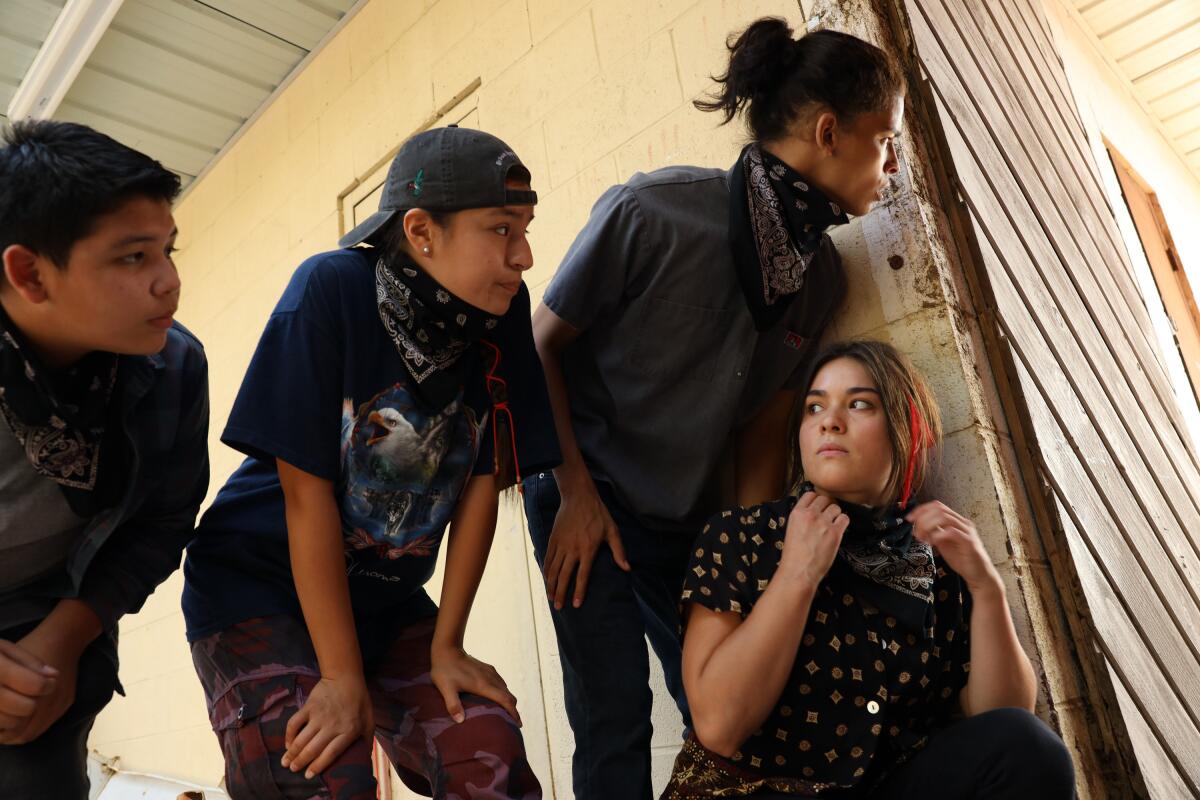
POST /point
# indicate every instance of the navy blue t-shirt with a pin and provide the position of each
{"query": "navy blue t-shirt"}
(327, 392)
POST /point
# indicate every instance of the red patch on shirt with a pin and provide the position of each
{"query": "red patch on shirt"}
(794, 340)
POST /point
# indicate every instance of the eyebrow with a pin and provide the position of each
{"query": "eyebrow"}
(139, 239)
(512, 213)
(851, 390)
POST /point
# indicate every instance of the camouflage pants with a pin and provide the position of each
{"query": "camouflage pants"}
(258, 673)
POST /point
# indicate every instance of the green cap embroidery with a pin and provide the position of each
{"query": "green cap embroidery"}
(414, 186)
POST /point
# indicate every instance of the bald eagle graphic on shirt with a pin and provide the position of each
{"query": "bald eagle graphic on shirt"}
(402, 471)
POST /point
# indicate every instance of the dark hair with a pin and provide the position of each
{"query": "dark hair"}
(392, 239)
(776, 78)
(904, 395)
(58, 177)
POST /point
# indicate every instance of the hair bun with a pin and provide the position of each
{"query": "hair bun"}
(759, 57)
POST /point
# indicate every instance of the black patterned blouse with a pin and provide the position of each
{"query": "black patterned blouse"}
(864, 693)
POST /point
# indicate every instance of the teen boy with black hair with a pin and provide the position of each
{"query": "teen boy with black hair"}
(103, 444)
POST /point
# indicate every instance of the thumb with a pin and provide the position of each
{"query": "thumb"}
(453, 702)
(613, 536)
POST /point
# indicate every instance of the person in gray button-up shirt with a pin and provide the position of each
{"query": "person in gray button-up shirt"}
(673, 337)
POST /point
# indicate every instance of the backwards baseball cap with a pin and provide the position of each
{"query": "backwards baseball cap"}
(447, 169)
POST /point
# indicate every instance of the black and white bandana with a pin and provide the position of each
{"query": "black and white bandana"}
(431, 328)
(776, 221)
(897, 571)
(60, 420)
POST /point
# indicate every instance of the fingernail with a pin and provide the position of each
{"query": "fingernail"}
(284, 761)
(459, 717)
(308, 775)
(49, 670)
(578, 602)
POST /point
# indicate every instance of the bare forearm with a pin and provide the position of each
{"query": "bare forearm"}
(318, 568)
(1001, 674)
(761, 474)
(572, 473)
(744, 676)
(470, 541)
(760, 452)
(69, 628)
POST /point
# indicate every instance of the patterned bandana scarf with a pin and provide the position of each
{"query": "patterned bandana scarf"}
(895, 570)
(59, 420)
(776, 220)
(432, 329)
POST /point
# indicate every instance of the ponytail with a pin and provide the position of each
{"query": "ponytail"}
(775, 79)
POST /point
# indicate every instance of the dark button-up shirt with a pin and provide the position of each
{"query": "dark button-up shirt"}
(125, 551)
(863, 691)
(669, 363)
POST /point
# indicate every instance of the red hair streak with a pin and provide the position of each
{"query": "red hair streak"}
(915, 432)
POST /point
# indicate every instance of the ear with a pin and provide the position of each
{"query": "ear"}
(23, 272)
(418, 229)
(825, 133)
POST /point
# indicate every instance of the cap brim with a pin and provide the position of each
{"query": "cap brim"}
(366, 229)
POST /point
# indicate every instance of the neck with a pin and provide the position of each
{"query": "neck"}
(807, 159)
(866, 499)
(51, 350)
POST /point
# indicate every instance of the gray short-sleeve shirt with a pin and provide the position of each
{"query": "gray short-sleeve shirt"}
(669, 363)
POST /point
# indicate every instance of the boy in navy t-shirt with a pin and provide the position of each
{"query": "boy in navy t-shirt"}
(368, 415)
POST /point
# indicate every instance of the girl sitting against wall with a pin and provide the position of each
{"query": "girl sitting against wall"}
(389, 385)
(849, 641)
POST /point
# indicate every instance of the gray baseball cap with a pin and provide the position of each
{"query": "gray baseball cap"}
(447, 169)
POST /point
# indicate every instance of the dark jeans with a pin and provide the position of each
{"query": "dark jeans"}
(996, 755)
(1003, 753)
(606, 666)
(54, 766)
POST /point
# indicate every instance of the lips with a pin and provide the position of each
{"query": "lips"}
(511, 288)
(163, 322)
(831, 450)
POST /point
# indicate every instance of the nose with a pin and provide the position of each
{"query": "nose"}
(167, 282)
(833, 421)
(892, 165)
(520, 256)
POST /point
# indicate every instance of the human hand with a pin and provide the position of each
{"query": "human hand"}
(580, 527)
(956, 540)
(814, 533)
(336, 714)
(26, 683)
(454, 672)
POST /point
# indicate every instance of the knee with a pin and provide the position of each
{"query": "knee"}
(486, 750)
(1031, 749)
(488, 729)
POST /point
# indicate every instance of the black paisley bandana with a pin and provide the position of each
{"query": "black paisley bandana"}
(59, 419)
(776, 221)
(432, 329)
(896, 570)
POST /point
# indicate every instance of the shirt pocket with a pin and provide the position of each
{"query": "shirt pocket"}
(681, 342)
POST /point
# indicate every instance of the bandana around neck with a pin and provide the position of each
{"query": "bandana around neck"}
(59, 420)
(431, 328)
(776, 221)
(895, 571)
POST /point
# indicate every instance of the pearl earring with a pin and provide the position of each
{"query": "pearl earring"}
(425, 249)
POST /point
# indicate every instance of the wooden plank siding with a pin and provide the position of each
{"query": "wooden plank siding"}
(1078, 348)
